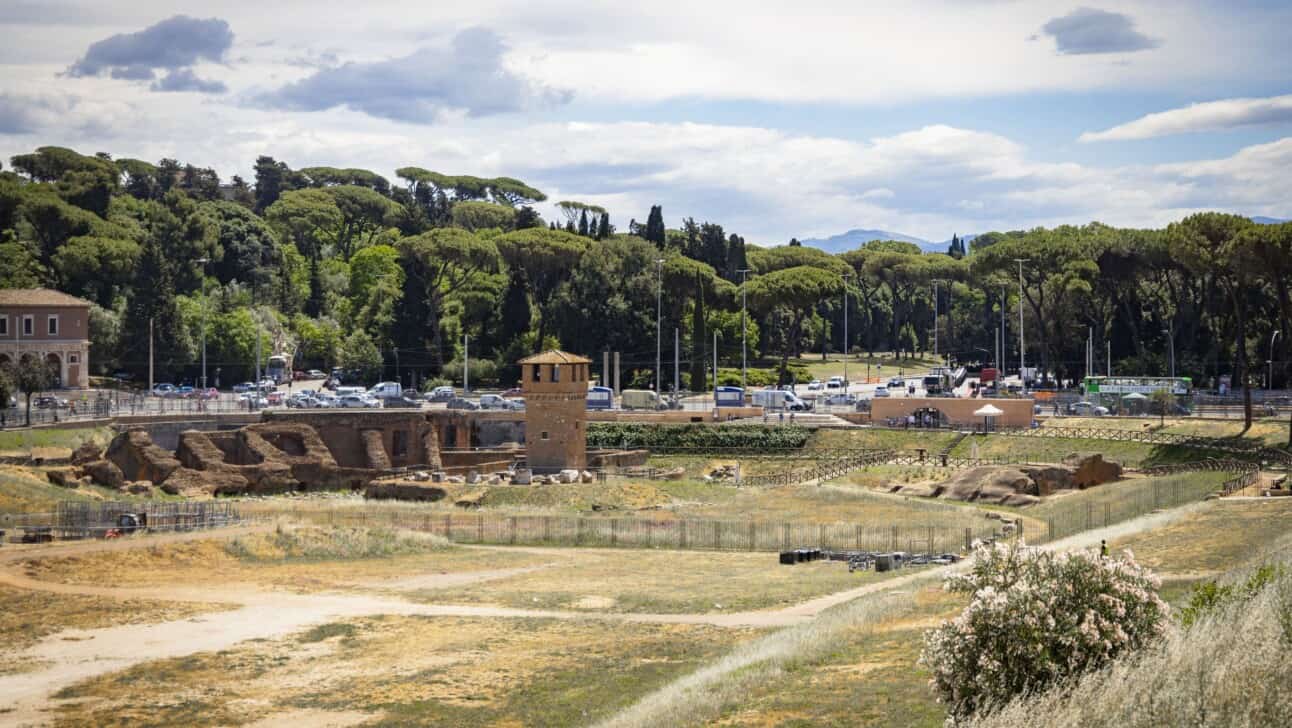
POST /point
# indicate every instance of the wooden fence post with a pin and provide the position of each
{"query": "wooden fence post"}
(681, 537)
(614, 531)
(753, 538)
(511, 524)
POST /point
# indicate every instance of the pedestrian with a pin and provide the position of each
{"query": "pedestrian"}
(764, 417)
(782, 417)
(791, 418)
(1103, 549)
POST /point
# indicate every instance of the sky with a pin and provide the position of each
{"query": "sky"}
(807, 119)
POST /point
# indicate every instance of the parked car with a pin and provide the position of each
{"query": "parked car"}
(164, 390)
(775, 399)
(897, 382)
(399, 402)
(513, 392)
(411, 393)
(51, 402)
(497, 401)
(836, 382)
(816, 385)
(1087, 409)
(356, 400)
(315, 374)
(242, 387)
(275, 397)
(325, 399)
(846, 400)
(184, 391)
(461, 403)
(442, 393)
(881, 391)
(253, 400)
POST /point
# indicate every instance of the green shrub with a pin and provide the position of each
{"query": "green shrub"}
(1037, 619)
(1209, 596)
(634, 435)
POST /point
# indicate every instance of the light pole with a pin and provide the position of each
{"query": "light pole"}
(659, 292)
(744, 353)
(846, 278)
(205, 303)
(1273, 336)
(1170, 337)
(1022, 358)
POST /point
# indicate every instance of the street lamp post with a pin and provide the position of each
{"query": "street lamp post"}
(205, 305)
(1270, 384)
(659, 292)
(1022, 357)
(744, 352)
(846, 348)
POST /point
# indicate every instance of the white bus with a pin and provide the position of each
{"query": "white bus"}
(279, 368)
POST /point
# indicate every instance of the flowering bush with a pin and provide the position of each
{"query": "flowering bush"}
(1038, 617)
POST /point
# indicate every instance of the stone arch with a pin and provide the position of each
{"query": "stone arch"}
(5, 360)
(55, 364)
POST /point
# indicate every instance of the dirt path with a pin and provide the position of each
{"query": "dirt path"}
(76, 655)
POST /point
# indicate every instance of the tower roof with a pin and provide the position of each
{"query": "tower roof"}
(555, 356)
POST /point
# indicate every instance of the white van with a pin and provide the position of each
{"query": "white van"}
(639, 399)
(386, 390)
(775, 399)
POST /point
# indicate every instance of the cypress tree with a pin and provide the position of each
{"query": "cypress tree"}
(583, 223)
(655, 226)
(698, 338)
(154, 299)
(603, 230)
(314, 306)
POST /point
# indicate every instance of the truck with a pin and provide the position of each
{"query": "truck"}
(640, 399)
(386, 390)
(775, 399)
(988, 375)
(601, 398)
(728, 397)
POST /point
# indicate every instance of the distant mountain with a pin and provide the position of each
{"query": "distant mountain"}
(854, 239)
(1267, 220)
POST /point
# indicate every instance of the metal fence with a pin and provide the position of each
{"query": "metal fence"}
(684, 534)
(1090, 515)
(82, 519)
(821, 470)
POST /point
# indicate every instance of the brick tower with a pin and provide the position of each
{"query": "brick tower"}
(556, 388)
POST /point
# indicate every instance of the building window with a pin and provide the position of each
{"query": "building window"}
(399, 447)
(53, 326)
(556, 373)
(543, 435)
(537, 377)
(28, 326)
(4, 325)
(73, 358)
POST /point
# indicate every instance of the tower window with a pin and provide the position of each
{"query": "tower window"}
(556, 373)
(543, 435)
(537, 377)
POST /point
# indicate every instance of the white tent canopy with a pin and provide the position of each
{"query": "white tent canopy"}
(1134, 395)
(988, 411)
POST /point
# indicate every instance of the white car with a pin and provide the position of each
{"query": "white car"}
(881, 391)
(841, 399)
(1089, 409)
(835, 383)
(253, 400)
(816, 385)
(497, 401)
(356, 400)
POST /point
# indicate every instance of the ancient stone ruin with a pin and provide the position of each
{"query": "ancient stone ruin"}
(1021, 485)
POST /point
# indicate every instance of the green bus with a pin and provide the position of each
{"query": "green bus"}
(1134, 394)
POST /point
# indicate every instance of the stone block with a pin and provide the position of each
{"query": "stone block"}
(64, 477)
(522, 476)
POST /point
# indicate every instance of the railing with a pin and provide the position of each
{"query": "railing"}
(691, 534)
(823, 470)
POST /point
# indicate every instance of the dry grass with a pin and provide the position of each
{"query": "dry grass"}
(51, 442)
(882, 439)
(1056, 449)
(762, 664)
(662, 582)
(1230, 669)
(1111, 503)
(407, 671)
(1266, 431)
(302, 559)
(28, 616)
(27, 490)
(1214, 539)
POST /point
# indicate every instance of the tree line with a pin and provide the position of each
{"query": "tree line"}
(344, 267)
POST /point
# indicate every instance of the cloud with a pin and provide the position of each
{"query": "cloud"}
(171, 44)
(1208, 116)
(469, 76)
(1088, 31)
(29, 114)
(183, 79)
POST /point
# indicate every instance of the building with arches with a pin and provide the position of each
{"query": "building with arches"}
(49, 326)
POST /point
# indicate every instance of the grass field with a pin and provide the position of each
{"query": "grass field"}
(1055, 449)
(881, 365)
(27, 490)
(407, 671)
(867, 677)
(57, 441)
(1111, 503)
(662, 582)
(882, 439)
(1215, 539)
(28, 616)
(1272, 432)
(345, 557)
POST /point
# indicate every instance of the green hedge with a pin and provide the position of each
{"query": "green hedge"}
(633, 435)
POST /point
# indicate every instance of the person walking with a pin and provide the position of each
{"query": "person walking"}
(1103, 549)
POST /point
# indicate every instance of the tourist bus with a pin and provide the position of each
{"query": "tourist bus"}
(279, 368)
(1118, 393)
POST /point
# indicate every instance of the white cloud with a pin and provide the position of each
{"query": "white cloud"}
(1208, 116)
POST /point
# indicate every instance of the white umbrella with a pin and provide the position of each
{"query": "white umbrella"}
(1135, 395)
(986, 412)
